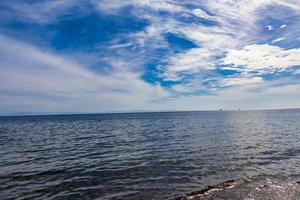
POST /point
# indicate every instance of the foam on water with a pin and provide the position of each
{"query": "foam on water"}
(250, 188)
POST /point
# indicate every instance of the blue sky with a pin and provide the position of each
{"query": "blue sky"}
(116, 55)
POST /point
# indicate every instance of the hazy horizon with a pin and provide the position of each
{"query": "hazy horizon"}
(25, 114)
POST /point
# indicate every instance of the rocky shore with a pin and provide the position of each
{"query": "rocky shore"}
(250, 188)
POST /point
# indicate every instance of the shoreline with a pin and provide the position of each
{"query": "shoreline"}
(256, 187)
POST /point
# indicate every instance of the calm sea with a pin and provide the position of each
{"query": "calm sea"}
(143, 155)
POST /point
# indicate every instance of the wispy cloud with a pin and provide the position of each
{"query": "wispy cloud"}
(283, 26)
(171, 54)
(240, 81)
(110, 6)
(278, 40)
(39, 11)
(192, 60)
(39, 73)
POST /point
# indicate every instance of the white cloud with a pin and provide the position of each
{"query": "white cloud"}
(270, 28)
(262, 58)
(240, 81)
(193, 59)
(39, 77)
(283, 26)
(44, 82)
(297, 71)
(62, 84)
(236, 27)
(260, 95)
(293, 4)
(40, 12)
(113, 6)
(201, 13)
(162, 5)
(278, 40)
(183, 88)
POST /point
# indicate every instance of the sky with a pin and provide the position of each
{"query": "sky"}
(73, 56)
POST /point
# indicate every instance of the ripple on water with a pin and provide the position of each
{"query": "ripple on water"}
(149, 155)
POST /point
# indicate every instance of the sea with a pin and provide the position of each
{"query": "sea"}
(158, 155)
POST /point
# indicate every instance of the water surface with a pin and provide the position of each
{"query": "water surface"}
(143, 155)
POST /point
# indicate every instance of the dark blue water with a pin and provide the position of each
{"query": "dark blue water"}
(143, 155)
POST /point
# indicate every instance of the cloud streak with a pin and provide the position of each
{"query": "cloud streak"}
(39, 73)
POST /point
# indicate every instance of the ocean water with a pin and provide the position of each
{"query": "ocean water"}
(147, 155)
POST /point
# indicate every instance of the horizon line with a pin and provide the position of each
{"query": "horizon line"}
(37, 114)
